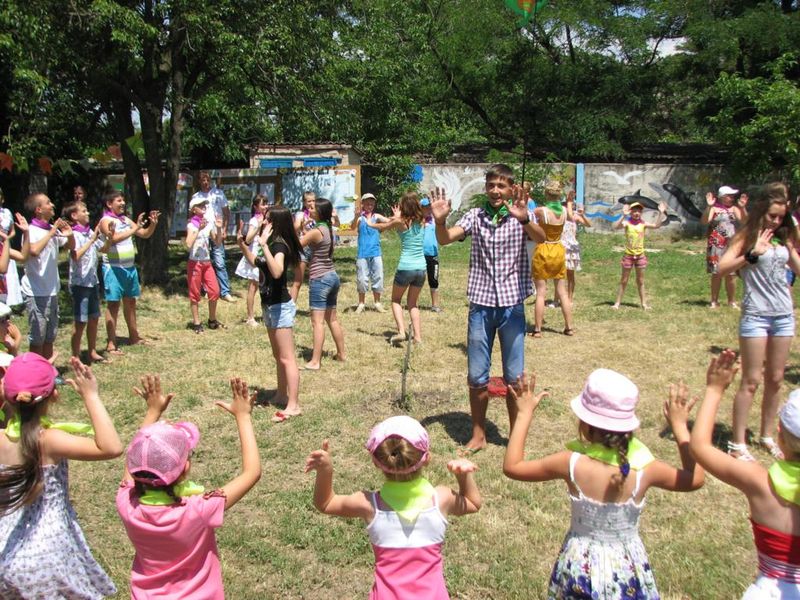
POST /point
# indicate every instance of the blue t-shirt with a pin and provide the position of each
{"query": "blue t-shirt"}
(412, 258)
(431, 246)
(369, 239)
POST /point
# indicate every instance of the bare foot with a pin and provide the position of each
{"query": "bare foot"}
(138, 341)
(95, 357)
(647, 307)
(339, 357)
(115, 351)
(474, 445)
(713, 305)
(615, 306)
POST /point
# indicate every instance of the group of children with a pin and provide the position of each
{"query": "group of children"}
(170, 520)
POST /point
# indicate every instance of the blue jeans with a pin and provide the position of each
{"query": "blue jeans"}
(483, 323)
(218, 261)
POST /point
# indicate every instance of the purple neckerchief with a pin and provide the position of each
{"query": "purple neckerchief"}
(108, 213)
(634, 221)
(196, 221)
(429, 219)
(722, 206)
(41, 224)
(81, 228)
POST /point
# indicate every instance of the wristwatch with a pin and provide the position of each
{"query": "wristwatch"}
(526, 221)
(750, 257)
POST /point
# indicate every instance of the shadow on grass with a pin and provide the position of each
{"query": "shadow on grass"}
(792, 374)
(458, 426)
(610, 303)
(459, 346)
(720, 436)
(714, 349)
(695, 302)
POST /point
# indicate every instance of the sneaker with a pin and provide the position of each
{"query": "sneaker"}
(396, 339)
(251, 323)
(228, 298)
(437, 309)
(360, 308)
(550, 304)
(379, 307)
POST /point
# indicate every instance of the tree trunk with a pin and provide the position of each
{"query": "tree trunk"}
(134, 174)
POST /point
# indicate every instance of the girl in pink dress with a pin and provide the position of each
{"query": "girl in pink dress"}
(406, 519)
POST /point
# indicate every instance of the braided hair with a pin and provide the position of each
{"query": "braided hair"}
(615, 440)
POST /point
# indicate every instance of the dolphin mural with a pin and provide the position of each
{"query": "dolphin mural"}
(637, 197)
(683, 199)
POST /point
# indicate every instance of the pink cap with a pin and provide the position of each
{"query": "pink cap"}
(608, 401)
(32, 373)
(161, 449)
(403, 427)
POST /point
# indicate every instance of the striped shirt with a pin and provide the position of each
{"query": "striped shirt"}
(499, 268)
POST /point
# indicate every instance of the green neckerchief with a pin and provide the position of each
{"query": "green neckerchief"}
(14, 427)
(496, 213)
(555, 206)
(328, 225)
(408, 498)
(162, 498)
(639, 455)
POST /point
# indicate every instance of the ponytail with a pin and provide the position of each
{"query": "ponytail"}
(22, 484)
(618, 441)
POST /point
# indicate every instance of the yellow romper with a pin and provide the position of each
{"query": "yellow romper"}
(550, 260)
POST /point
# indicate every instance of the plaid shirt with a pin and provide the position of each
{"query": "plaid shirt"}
(499, 269)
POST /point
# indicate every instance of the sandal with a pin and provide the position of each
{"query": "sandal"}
(196, 327)
(214, 324)
(536, 333)
(770, 446)
(740, 452)
(569, 331)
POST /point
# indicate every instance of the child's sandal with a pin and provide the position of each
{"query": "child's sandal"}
(770, 446)
(196, 327)
(536, 333)
(569, 331)
(214, 324)
(740, 452)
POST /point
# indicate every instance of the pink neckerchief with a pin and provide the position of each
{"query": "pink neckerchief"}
(634, 221)
(81, 228)
(41, 224)
(429, 219)
(722, 206)
(108, 213)
(196, 221)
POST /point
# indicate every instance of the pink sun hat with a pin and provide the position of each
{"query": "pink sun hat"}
(161, 449)
(608, 401)
(404, 427)
(29, 372)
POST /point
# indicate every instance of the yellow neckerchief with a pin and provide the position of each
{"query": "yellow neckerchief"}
(162, 498)
(785, 478)
(14, 427)
(639, 455)
(408, 498)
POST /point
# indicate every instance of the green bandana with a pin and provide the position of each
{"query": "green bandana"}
(162, 498)
(639, 455)
(14, 427)
(495, 213)
(785, 478)
(408, 498)
(555, 206)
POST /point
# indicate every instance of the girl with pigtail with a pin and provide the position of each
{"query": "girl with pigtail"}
(43, 553)
(608, 471)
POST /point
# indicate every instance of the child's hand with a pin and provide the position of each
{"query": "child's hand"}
(662, 207)
(461, 466)
(763, 242)
(526, 400)
(112, 227)
(396, 211)
(203, 223)
(722, 370)
(218, 223)
(154, 216)
(62, 227)
(581, 210)
(151, 392)
(743, 199)
(242, 399)
(440, 205)
(626, 209)
(83, 381)
(266, 231)
(678, 405)
(711, 200)
(319, 460)
(21, 222)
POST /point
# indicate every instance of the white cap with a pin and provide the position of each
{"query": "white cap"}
(727, 190)
(197, 201)
(368, 196)
(5, 311)
(790, 414)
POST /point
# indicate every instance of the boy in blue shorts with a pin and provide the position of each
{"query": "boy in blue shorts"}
(499, 280)
(369, 260)
(41, 283)
(83, 282)
(120, 278)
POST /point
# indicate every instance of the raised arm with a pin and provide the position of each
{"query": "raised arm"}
(468, 498)
(440, 208)
(77, 253)
(192, 233)
(619, 223)
(518, 208)
(241, 408)
(661, 218)
(5, 254)
(36, 247)
(275, 262)
(326, 500)
(710, 211)
(115, 235)
(393, 222)
(147, 232)
(157, 403)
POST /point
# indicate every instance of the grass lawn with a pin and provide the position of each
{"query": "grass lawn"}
(274, 544)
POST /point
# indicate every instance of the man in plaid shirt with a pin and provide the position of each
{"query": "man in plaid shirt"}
(498, 283)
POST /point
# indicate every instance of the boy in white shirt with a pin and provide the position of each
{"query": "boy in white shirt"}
(41, 283)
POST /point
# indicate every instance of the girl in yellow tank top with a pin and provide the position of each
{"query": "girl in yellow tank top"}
(634, 255)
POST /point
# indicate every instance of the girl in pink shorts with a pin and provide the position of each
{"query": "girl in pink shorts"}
(199, 270)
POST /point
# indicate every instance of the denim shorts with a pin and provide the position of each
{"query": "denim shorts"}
(279, 316)
(323, 291)
(120, 282)
(755, 326)
(483, 323)
(413, 278)
(42, 319)
(85, 303)
(369, 270)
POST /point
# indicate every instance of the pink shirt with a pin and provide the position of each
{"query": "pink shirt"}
(176, 551)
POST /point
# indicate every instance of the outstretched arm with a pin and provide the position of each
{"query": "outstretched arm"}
(468, 498)
(661, 219)
(440, 208)
(325, 499)
(626, 210)
(157, 403)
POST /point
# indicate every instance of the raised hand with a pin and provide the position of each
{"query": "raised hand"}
(266, 231)
(743, 199)
(461, 466)
(396, 214)
(678, 405)
(140, 220)
(518, 203)
(722, 369)
(203, 223)
(763, 242)
(83, 380)
(626, 209)
(151, 392)
(21, 222)
(319, 460)
(440, 205)
(154, 216)
(525, 399)
(711, 199)
(662, 207)
(243, 400)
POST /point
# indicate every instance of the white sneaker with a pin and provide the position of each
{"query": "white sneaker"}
(228, 298)
(251, 323)
(360, 309)
(379, 307)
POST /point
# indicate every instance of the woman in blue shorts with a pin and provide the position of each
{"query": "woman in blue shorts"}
(323, 284)
(760, 252)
